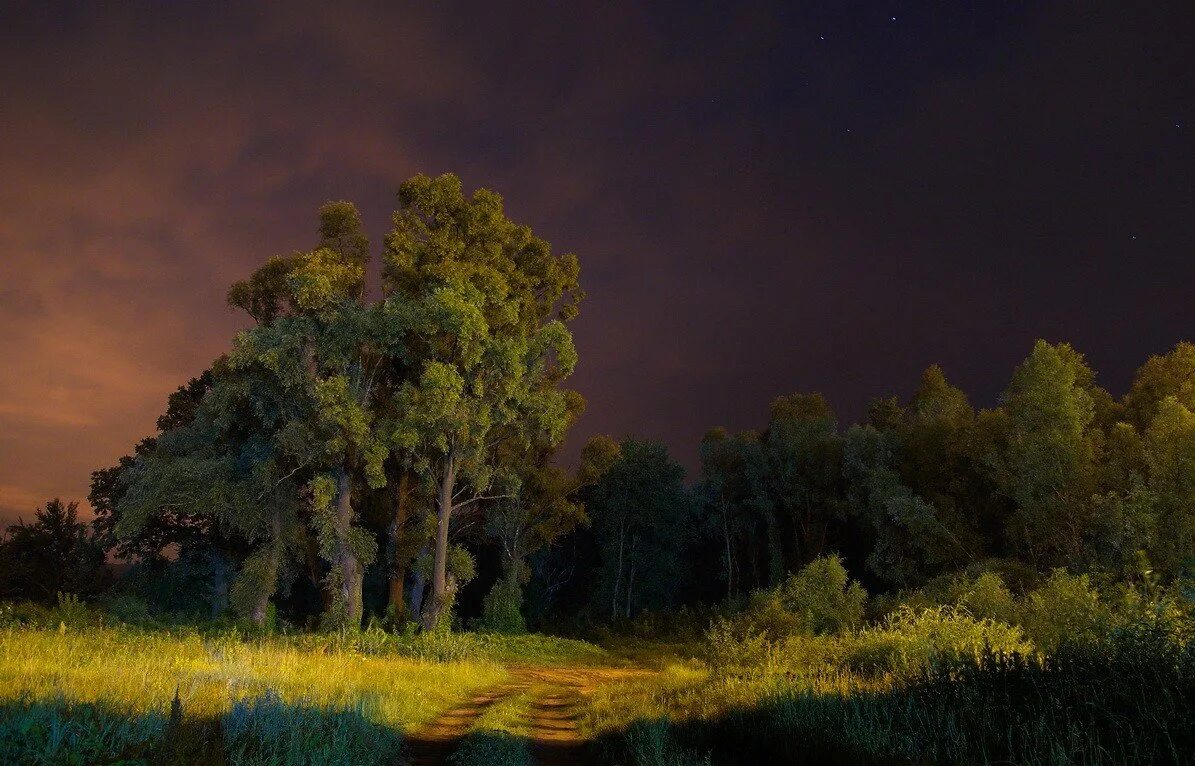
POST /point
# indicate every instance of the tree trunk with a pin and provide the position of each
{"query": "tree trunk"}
(631, 579)
(775, 552)
(351, 575)
(314, 571)
(618, 576)
(729, 558)
(630, 590)
(434, 611)
(418, 586)
(261, 608)
(398, 572)
(753, 555)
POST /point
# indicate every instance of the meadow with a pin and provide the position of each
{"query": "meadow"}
(78, 686)
(808, 672)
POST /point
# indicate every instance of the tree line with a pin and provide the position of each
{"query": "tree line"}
(388, 449)
(1059, 475)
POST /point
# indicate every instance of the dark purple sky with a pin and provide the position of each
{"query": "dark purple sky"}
(763, 200)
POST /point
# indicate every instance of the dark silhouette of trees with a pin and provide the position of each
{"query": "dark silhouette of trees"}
(55, 553)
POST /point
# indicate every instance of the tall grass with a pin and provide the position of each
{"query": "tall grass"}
(285, 694)
(1126, 698)
(142, 671)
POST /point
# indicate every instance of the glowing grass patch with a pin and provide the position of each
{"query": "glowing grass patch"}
(139, 672)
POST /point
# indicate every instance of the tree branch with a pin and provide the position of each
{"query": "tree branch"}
(479, 498)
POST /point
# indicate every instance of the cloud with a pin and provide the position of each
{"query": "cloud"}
(737, 243)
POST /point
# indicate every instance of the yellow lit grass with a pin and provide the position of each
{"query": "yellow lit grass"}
(140, 671)
(509, 715)
(691, 691)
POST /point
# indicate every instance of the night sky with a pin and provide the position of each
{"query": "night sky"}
(764, 200)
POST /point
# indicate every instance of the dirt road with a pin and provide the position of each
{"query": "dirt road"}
(549, 721)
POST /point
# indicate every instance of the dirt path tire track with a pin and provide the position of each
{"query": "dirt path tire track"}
(552, 719)
(431, 745)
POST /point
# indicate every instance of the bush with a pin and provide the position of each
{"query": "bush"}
(502, 609)
(768, 615)
(732, 645)
(195, 585)
(825, 597)
(987, 597)
(819, 601)
(129, 609)
(24, 614)
(1066, 609)
(70, 612)
(910, 642)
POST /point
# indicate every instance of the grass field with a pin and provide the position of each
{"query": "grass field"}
(93, 694)
(930, 686)
(241, 685)
(143, 671)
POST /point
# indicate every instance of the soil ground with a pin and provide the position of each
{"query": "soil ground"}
(551, 719)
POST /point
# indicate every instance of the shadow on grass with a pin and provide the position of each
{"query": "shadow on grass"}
(1128, 701)
(263, 732)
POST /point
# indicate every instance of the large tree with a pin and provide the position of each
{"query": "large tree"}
(478, 305)
(317, 342)
(803, 457)
(1170, 455)
(1170, 374)
(281, 434)
(937, 463)
(1048, 466)
(640, 511)
(223, 475)
(166, 529)
(725, 492)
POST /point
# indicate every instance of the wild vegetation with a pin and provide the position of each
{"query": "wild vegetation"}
(350, 540)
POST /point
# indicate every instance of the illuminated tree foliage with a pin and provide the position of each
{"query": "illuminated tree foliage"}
(479, 306)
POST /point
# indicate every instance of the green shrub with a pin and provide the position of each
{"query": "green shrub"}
(1065, 609)
(24, 614)
(988, 597)
(768, 615)
(910, 642)
(129, 609)
(733, 645)
(820, 600)
(70, 612)
(825, 597)
(502, 609)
